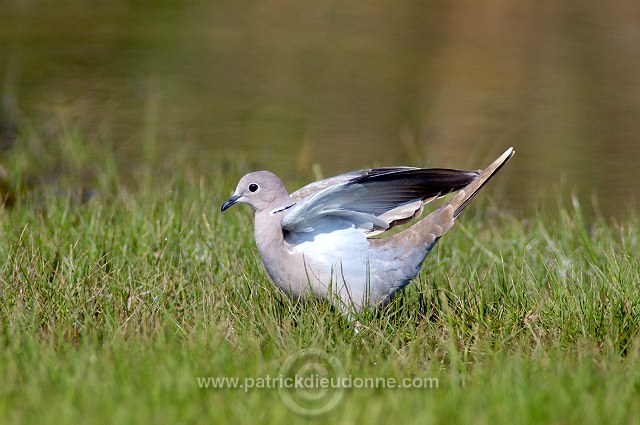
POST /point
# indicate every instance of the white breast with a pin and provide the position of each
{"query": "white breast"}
(336, 252)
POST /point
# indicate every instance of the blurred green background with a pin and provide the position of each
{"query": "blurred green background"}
(285, 84)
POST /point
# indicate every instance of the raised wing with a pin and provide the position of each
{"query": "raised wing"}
(312, 188)
(373, 200)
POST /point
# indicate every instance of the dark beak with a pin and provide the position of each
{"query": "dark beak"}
(230, 202)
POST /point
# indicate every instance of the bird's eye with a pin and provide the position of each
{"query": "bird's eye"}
(253, 187)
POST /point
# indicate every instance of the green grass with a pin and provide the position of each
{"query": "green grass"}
(113, 305)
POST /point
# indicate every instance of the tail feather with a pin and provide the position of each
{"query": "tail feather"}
(462, 199)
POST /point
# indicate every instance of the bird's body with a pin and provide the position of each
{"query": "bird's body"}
(317, 241)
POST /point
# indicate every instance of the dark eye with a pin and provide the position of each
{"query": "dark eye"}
(253, 187)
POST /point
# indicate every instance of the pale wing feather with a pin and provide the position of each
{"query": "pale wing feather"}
(306, 214)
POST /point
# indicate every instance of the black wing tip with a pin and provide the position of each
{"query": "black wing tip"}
(398, 173)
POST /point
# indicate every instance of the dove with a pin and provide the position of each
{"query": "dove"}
(318, 242)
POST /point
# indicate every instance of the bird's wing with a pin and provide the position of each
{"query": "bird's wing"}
(372, 200)
(312, 188)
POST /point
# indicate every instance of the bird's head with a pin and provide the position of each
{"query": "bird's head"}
(261, 190)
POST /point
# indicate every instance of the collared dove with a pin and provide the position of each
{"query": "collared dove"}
(316, 242)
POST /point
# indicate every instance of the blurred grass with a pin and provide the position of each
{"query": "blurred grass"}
(116, 297)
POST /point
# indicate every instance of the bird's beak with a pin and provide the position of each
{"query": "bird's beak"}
(230, 202)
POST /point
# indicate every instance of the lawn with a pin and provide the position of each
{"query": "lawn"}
(130, 300)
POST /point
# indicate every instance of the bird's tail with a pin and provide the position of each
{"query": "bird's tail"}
(462, 198)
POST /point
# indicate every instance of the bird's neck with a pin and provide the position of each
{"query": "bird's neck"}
(268, 230)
